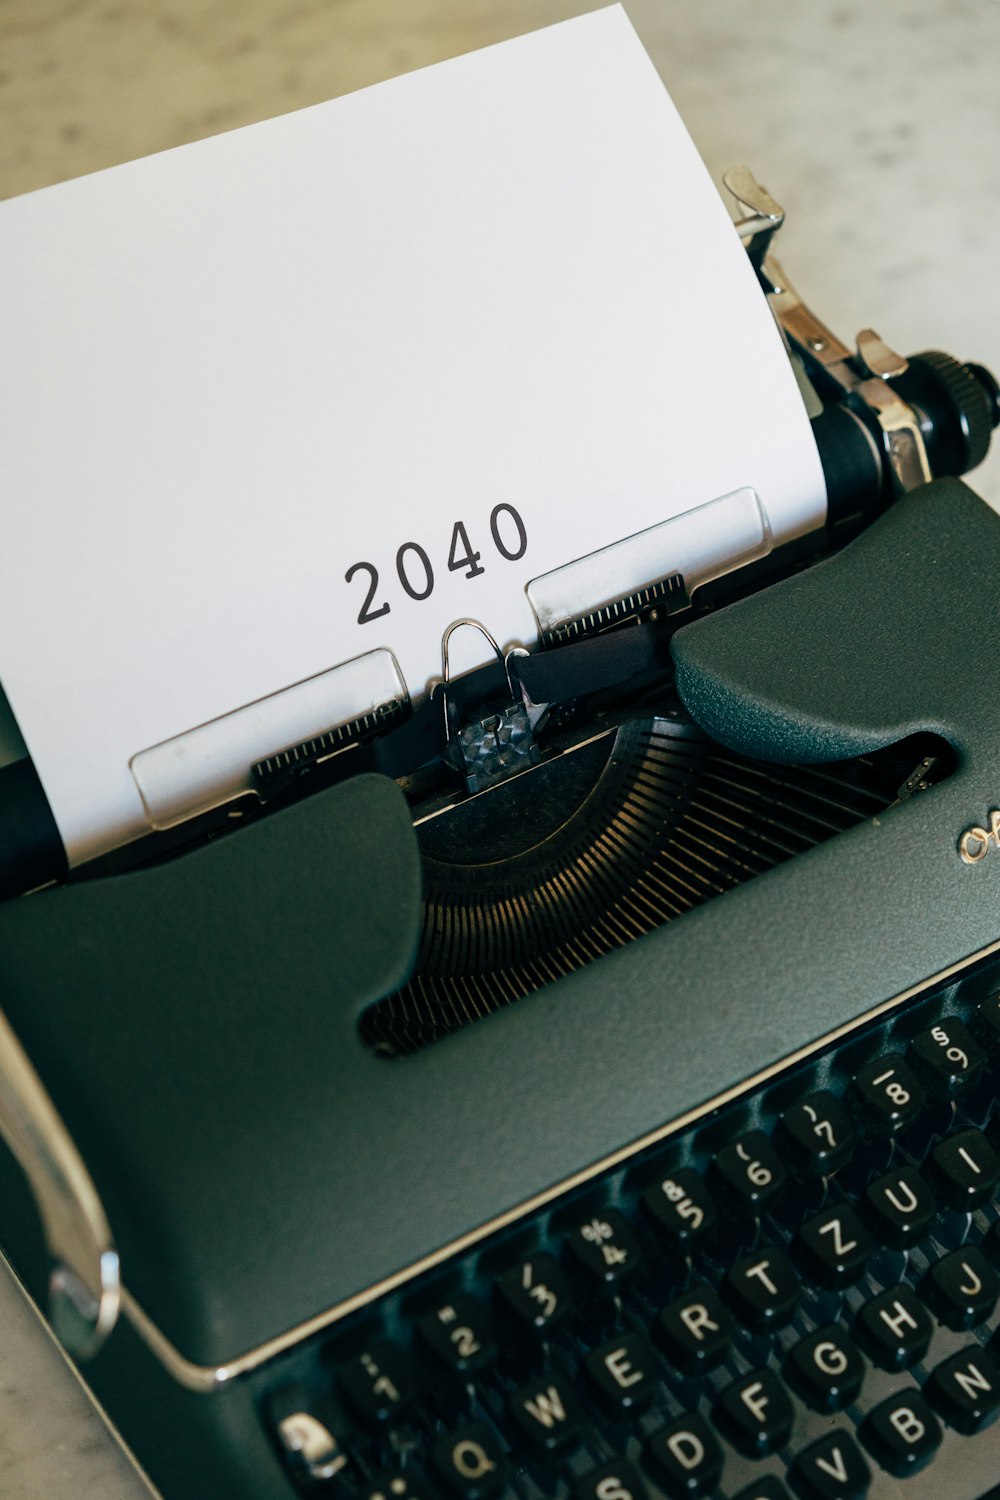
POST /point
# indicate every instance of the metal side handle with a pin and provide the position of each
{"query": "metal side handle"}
(84, 1287)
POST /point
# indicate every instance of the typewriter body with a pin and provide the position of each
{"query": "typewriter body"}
(585, 1086)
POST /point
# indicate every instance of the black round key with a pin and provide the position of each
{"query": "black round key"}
(895, 1328)
(755, 1413)
(902, 1433)
(682, 1209)
(471, 1462)
(536, 1295)
(623, 1373)
(833, 1246)
(948, 1056)
(831, 1469)
(889, 1092)
(398, 1484)
(965, 1169)
(686, 1456)
(547, 1413)
(826, 1369)
(765, 1488)
(305, 1423)
(613, 1481)
(987, 1023)
(763, 1289)
(460, 1335)
(750, 1172)
(604, 1250)
(962, 1288)
(965, 1389)
(695, 1330)
(901, 1207)
(378, 1385)
(818, 1134)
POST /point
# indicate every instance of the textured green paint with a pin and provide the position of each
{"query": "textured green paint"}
(197, 1024)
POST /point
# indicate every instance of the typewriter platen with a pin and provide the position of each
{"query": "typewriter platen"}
(714, 1212)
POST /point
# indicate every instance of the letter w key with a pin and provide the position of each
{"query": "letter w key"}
(547, 1413)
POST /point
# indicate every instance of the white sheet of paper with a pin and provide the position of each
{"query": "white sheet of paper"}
(230, 372)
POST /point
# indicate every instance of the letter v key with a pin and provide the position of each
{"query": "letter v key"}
(834, 1465)
(837, 1458)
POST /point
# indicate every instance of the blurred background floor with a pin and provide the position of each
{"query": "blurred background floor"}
(877, 127)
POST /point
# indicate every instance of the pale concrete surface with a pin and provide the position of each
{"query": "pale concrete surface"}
(876, 125)
(53, 1444)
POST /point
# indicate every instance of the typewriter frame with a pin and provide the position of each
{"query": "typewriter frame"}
(503, 1143)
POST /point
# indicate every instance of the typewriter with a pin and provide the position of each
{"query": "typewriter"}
(583, 1087)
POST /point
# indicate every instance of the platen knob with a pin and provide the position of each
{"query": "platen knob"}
(959, 405)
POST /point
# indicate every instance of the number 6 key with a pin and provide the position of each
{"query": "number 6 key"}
(750, 1172)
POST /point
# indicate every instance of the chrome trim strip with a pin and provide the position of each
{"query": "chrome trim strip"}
(205, 1378)
(84, 1281)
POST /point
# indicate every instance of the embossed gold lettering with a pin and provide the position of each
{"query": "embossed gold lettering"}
(977, 842)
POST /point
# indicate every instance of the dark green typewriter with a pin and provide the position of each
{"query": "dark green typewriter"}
(585, 1085)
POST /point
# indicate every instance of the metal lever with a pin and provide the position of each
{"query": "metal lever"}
(878, 359)
(764, 215)
(84, 1287)
(901, 433)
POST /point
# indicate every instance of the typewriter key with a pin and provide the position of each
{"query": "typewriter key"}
(889, 1092)
(948, 1056)
(902, 1433)
(682, 1209)
(965, 1169)
(623, 1374)
(763, 1289)
(535, 1296)
(304, 1424)
(547, 1413)
(755, 1413)
(834, 1246)
(460, 1335)
(471, 1462)
(686, 1456)
(818, 1134)
(398, 1484)
(750, 1172)
(615, 1481)
(965, 1389)
(767, 1488)
(895, 1328)
(962, 1288)
(901, 1207)
(695, 1331)
(378, 1385)
(826, 1368)
(831, 1469)
(604, 1250)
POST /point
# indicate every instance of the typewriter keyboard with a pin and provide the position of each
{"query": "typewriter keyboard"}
(797, 1297)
